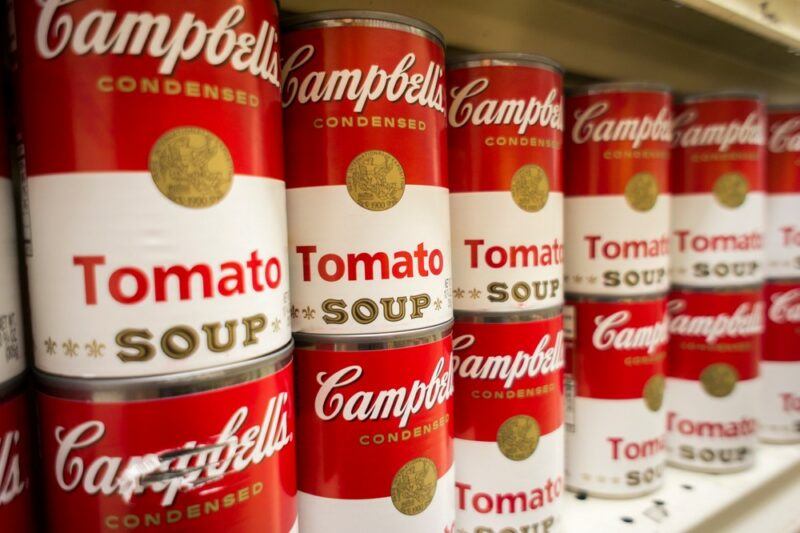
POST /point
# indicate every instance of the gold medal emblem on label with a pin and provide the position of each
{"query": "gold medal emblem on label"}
(731, 189)
(191, 166)
(530, 188)
(518, 437)
(375, 180)
(719, 379)
(414, 485)
(653, 392)
(641, 192)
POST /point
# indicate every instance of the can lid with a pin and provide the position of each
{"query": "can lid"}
(619, 86)
(360, 17)
(371, 341)
(784, 107)
(727, 94)
(163, 386)
(489, 59)
(11, 386)
(500, 317)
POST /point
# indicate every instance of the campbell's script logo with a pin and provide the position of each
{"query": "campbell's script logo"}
(12, 484)
(612, 331)
(745, 321)
(785, 136)
(723, 135)
(108, 32)
(785, 307)
(592, 124)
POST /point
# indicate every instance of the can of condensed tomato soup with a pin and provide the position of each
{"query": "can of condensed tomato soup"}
(16, 449)
(616, 180)
(369, 231)
(154, 198)
(375, 426)
(202, 451)
(509, 400)
(506, 124)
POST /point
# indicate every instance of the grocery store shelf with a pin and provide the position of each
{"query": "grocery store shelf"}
(765, 498)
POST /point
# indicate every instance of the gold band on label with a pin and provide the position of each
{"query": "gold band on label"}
(530, 188)
(518, 437)
(731, 189)
(653, 392)
(191, 166)
(414, 486)
(375, 180)
(719, 379)
(641, 192)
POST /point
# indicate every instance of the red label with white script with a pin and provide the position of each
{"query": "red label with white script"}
(783, 159)
(782, 325)
(783, 201)
(16, 499)
(156, 463)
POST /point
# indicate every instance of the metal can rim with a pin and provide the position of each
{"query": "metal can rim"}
(508, 317)
(491, 59)
(374, 341)
(726, 289)
(620, 86)
(574, 297)
(362, 17)
(12, 386)
(783, 107)
(723, 95)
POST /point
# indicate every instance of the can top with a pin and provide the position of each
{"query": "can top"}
(372, 341)
(153, 387)
(490, 59)
(777, 108)
(359, 17)
(12, 386)
(620, 86)
(727, 94)
(500, 317)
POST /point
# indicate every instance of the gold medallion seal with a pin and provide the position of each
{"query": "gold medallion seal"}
(641, 192)
(653, 392)
(730, 189)
(414, 485)
(191, 166)
(518, 437)
(530, 188)
(719, 379)
(375, 180)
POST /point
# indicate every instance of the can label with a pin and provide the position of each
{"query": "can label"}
(16, 498)
(617, 161)
(615, 391)
(718, 182)
(150, 463)
(369, 240)
(376, 445)
(506, 196)
(157, 238)
(783, 198)
(712, 405)
(509, 444)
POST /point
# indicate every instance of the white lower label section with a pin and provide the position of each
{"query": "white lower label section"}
(124, 282)
(611, 249)
(505, 258)
(708, 433)
(780, 401)
(359, 271)
(324, 515)
(497, 495)
(717, 246)
(295, 527)
(12, 354)
(782, 236)
(615, 448)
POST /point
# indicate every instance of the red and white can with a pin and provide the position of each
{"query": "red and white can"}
(509, 400)
(713, 400)
(156, 229)
(366, 167)
(16, 447)
(783, 193)
(718, 183)
(375, 419)
(779, 418)
(616, 179)
(506, 196)
(615, 419)
(199, 451)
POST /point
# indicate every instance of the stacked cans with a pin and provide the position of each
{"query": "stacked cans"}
(505, 138)
(156, 240)
(617, 232)
(780, 367)
(369, 247)
(716, 309)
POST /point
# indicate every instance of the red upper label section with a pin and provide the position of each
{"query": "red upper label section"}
(507, 369)
(352, 89)
(110, 465)
(782, 331)
(102, 80)
(363, 415)
(16, 499)
(783, 155)
(715, 327)
(612, 136)
(715, 137)
(501, 118)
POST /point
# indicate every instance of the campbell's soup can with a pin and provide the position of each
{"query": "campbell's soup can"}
(509, 437)
(713, 400)
(366, 168)
(154, 198)
(200, 451)
(718, 185)
(783, 193)
(505, 132)
(779, 419)
(616, 179)
(16, 449)
(375, 426)
(614, 387)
